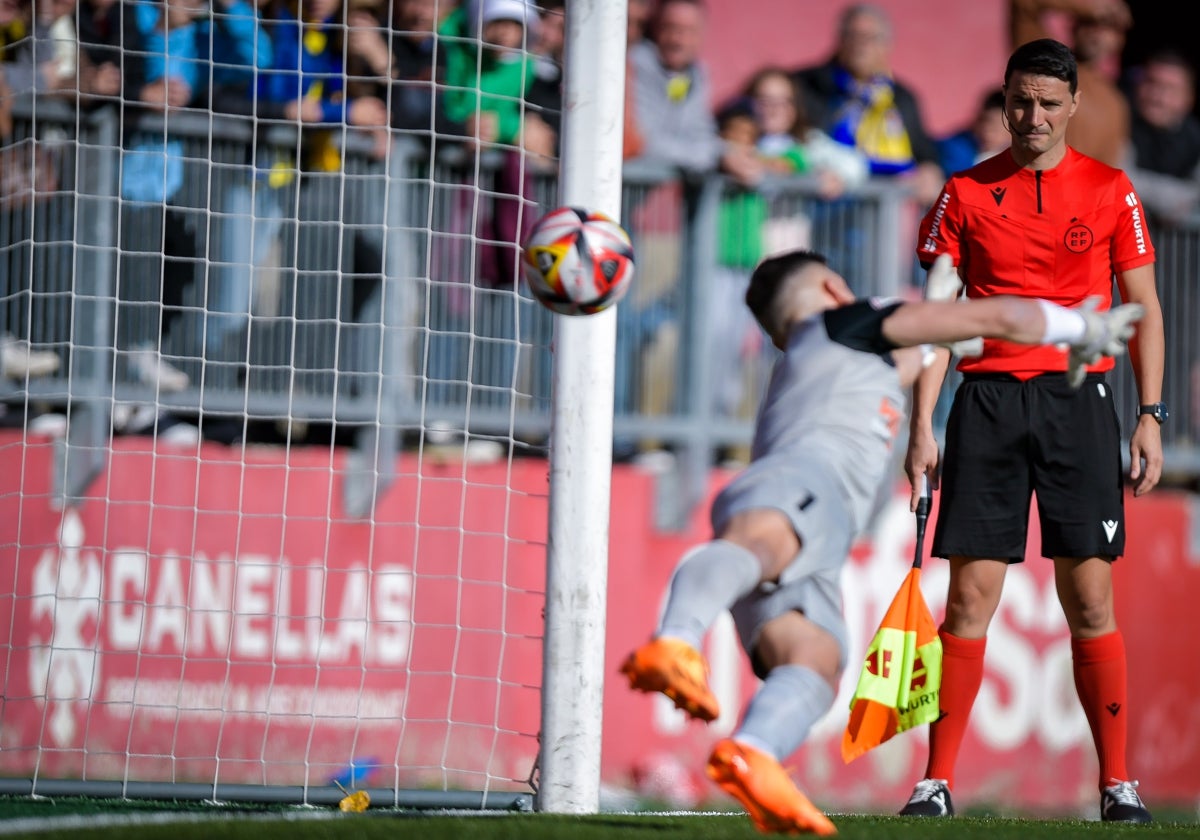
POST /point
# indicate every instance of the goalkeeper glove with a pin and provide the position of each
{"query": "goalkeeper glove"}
(1104, 334)
(944, 284)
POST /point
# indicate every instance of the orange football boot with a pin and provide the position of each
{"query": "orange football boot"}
(676, 669)
(765, 790)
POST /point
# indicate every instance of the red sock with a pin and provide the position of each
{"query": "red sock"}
(962, 674)
(1099, 666)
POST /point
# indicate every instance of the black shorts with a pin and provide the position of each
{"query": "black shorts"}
(1007, 440)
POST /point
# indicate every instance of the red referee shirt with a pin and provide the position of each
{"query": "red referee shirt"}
(1058, 234)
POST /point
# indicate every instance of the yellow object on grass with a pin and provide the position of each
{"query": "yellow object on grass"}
(356, 802)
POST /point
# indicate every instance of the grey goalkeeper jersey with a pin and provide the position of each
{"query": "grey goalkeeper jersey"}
(835, 397)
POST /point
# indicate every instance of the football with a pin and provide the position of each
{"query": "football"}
(577, 262)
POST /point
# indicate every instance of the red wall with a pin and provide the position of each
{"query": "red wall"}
(156, 619)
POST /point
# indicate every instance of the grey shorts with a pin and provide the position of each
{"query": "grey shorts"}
(811, 584)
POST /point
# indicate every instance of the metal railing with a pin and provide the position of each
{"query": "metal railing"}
(383, 293)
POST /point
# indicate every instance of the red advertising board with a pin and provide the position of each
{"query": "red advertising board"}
(226, 606)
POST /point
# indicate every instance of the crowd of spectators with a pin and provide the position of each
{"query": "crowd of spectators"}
(487, 75)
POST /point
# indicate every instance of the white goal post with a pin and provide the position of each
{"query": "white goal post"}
(274, 510)
(581, 440)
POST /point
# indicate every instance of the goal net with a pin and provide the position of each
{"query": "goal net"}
(275, 407)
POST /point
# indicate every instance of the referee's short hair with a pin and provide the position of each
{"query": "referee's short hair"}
(1044, 57)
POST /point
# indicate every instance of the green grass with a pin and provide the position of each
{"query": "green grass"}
(85, 819)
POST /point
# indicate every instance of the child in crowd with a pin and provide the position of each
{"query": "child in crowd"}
(305, 86)
(768, 119)
(984, 137)
(792, 145)
(733, 338)
(490, 67)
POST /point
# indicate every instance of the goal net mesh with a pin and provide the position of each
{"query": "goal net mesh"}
(275, 406)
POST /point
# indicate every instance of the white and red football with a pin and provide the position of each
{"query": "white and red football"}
(577, 262)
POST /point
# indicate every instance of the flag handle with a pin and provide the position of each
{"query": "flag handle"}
(922, 517)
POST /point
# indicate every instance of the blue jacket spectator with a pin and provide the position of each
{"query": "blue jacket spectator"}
(856, 99)
(405, 66)
(984, 137)
(203, 50)
(308, 63)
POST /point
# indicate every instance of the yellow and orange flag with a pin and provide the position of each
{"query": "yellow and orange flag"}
(901, 677)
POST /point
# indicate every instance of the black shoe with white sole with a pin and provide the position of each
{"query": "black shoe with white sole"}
(1120, 803)
(930, 798)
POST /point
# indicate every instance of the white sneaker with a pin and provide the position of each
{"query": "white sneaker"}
(441, 433)
(19, 361)
(133, 418)
(50, 424)
(180, 434)
(148, 365)
(478, 451)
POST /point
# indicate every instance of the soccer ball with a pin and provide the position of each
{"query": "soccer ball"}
(577, 262)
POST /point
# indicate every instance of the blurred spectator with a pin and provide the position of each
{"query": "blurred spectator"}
(637, 14)
(184, 52)
(102, 30)
(6, 98)
(488, 69)
(854, 97)
(56, 18)
(673, 98)
(36, 51)
(672, 115)
(1100, 126)
(339, 243)
(307, 77)
(732, 336)
(403, 66)
(1164, 166)
(188, 50)
(18, 359)
(791, 144)
(767, 120)
(1165, 149)
(29, 62)
(984, 137)
(1032, 19)
(545, 93)
(474, 334)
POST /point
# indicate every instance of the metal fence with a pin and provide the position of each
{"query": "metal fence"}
(382, 293)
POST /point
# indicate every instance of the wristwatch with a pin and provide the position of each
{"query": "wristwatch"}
(1156, 410)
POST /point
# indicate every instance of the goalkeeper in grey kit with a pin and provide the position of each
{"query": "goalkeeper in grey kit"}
(783, 527)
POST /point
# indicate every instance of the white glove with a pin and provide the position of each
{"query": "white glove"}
(967, 347)
(944, 284)
(1104, 334)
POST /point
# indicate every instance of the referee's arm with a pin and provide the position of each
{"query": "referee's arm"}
(1147, 351)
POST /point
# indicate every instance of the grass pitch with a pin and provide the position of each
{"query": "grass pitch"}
(85, 819)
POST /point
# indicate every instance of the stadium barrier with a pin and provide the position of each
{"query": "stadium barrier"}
(385, 295)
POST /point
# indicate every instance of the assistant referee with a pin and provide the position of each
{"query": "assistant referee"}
(1038, 219)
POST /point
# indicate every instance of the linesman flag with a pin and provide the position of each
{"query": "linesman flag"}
(902, 673)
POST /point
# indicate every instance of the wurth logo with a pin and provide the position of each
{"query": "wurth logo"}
(1139, 232)
(935, 228)
(63, 666)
